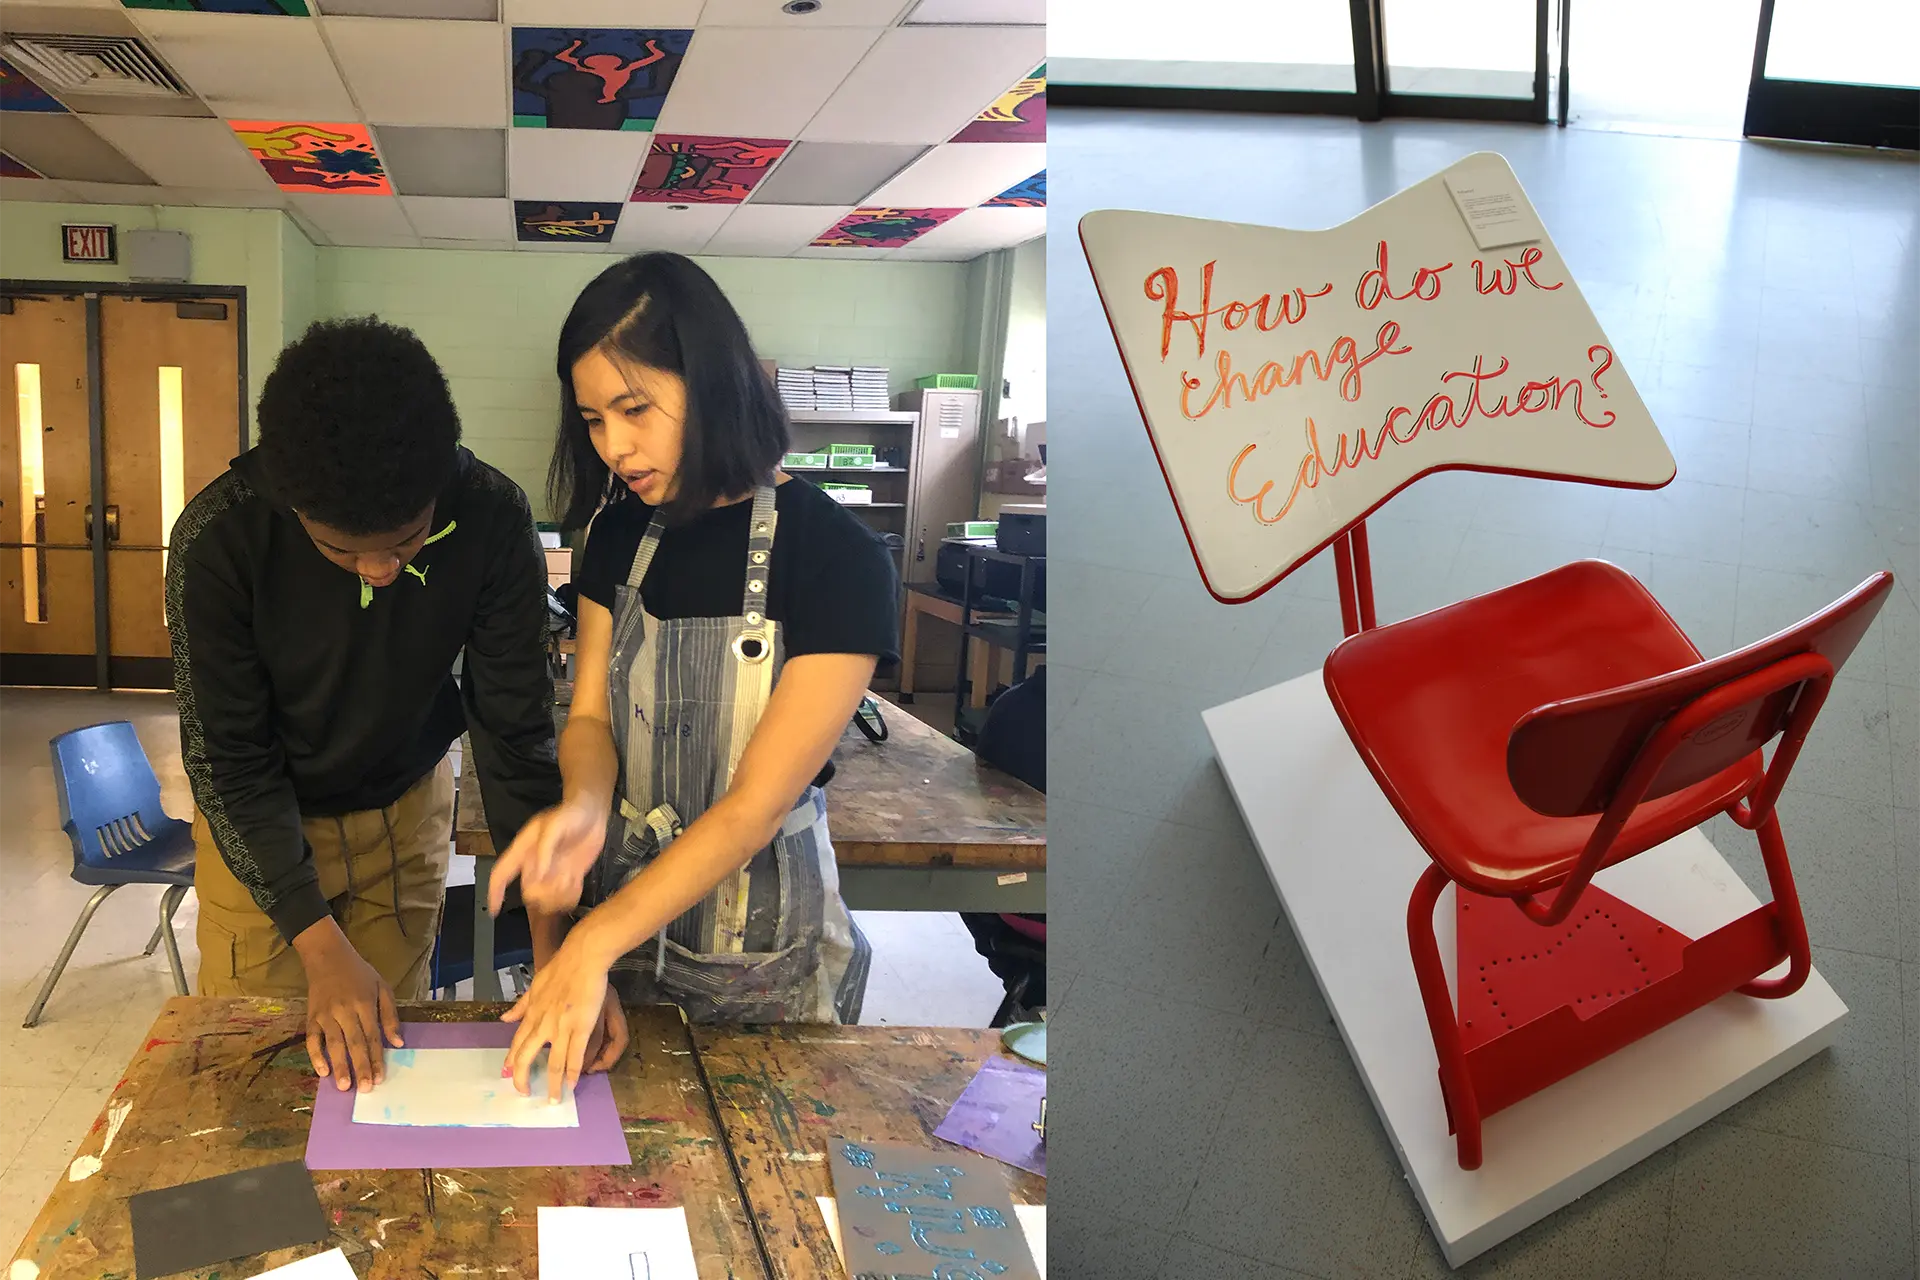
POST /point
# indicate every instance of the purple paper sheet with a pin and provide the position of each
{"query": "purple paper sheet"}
(996, 1115)
(336, 1142)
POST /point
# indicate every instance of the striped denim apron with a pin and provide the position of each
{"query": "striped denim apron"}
(773, 942)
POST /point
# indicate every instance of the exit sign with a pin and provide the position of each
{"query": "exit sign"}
(87, 244)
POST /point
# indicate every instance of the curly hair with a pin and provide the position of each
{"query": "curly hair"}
(357, 427)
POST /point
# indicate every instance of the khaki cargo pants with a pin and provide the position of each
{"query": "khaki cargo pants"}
(384, 875)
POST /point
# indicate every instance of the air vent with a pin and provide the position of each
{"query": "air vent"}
(93, 64)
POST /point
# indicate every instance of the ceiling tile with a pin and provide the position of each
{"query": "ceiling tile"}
(842, 252)
(1028, 193)
(882, 228)
(409, 72)
(977, 231)
(963, 174)
(574, 164)
(271, 8)
(565, 222)
(63, 147)
(184, 153)
(430, 242)
(842, 173)
(1007, 13)
(328, 159)
(923, 84)
(448, 218)
(65, 18)
(19, 94)
(603, 13)
(463, 10)
(594, 78)
(109, 104)
(682, 170)
(18, 7)
(1018, 115)
(763, 82)
(363, 220)
(270, 198)
(444, 162)
(772, 13)
(114, 193)
(10, 167)
(677, 230)
(250, 67)
(34, 189)
(771, 230)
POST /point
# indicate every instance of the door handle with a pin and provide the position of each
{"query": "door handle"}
(113, 524)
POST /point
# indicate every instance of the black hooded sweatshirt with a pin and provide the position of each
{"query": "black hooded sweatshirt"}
(302, 694)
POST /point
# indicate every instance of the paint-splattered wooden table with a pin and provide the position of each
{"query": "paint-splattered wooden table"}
(783, 1093)
(223, 1085)
(919, 824)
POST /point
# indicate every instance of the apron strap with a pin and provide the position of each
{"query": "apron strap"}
(643, 554)
(759, 556)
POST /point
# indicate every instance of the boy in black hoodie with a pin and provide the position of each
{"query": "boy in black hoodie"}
(318, 595)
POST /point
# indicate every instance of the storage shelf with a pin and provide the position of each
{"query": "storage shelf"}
(871, 506)
(855, 417)
(852, 471)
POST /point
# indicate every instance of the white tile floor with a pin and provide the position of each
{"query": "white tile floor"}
(925, 970)
(1196, 1066)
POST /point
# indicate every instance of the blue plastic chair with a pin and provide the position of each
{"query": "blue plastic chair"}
(453, 949)
(110, 810)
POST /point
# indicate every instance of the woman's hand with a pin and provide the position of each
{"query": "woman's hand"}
(566, 1007)
(550, 857)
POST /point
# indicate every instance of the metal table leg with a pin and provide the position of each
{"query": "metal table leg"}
(486, 978)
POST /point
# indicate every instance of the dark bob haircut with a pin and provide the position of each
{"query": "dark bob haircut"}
(662, 311)
(357, 428)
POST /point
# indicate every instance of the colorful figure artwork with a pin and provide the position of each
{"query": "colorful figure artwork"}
(17, 93)
(1018, 115)
(316, 157)
(686, 170)
(285, 8)
(909, 1212)
(883, 228)
(564, 222)
(593, 79)
(1030, 194)
(11, 168)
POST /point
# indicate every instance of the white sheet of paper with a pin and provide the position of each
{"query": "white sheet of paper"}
(460, 1088)
(1496, 212)
(331, 1265)
(583, 1243)
(1033, 1225)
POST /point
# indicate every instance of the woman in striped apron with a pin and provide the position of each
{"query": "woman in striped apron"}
(731, 617)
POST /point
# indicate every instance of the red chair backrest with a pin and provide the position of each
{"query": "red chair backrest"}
(1567, 758)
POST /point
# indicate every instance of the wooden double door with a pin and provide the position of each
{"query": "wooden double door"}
(116, 408)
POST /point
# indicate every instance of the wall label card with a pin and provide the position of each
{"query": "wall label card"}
(1292, 381)
(908, 1212)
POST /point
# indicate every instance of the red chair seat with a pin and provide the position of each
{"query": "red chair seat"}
(1430, 703)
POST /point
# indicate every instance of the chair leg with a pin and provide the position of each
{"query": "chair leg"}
(170, 903)
(1786, 910)
(153, 943)
(66, 952)
(1456, 1085)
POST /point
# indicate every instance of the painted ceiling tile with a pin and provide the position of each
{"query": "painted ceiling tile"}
(565, 221)
(1018, 115)
(593, 78)
(883, 228)
(11, 168)
(688, 170)
(17, 93)
(320, 158)
(275, 8)
(1028, 194)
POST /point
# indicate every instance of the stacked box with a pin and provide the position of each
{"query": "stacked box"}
(851, 495)
(809, 461)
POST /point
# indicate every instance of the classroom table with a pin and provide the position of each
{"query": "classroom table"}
(919, 824)
(224, 1085)
(783, 1093)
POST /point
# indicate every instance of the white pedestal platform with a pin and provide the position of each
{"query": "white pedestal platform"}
(1344, 864)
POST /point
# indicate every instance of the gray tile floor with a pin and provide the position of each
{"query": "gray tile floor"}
(1764, 300)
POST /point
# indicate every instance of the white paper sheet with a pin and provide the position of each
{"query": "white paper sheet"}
(1488, 198)
(1033, 1225)
(460, 1088)
(331, 1265)
(615, 1244)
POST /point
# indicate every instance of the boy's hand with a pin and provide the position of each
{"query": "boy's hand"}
(350, 1009)
(550, 857)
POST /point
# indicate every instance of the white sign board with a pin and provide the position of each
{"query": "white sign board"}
(1293, 381)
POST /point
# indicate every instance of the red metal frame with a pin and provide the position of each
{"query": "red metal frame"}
(1700, 723)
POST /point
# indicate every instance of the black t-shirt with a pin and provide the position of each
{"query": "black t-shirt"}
(832, 588)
